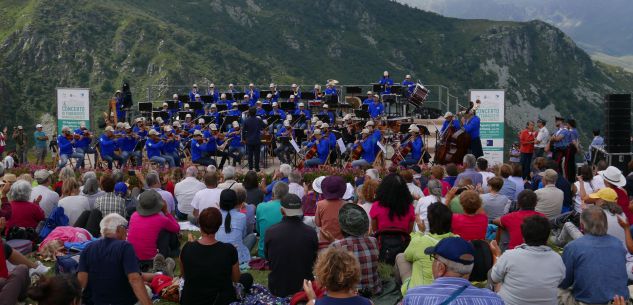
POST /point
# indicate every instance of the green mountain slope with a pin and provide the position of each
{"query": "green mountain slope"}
(98, 44)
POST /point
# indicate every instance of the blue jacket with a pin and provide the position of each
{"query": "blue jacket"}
(153, 148)
(330, 91)
(472, 127)
(409, 84)
(107, 145)
(386, 81)
(215, 94)
(280, 113)
(170, 146)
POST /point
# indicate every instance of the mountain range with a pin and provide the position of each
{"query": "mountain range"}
(99, 44)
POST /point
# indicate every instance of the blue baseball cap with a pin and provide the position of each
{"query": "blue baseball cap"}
(454, 249)
(120, 188)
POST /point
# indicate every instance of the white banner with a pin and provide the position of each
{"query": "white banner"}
(491, 114)
(73, 107)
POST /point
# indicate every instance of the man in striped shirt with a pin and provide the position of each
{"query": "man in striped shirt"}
(453, 260)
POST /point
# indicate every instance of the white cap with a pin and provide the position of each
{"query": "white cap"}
(301, 105)
(317, 86)
(175, 96)
(200, 121)
(213, 127)
(414, 128)
(214, 106)
(188, 115)
(119, 125)
(108, 128)
(137, 120)
(195, 85)
(118, 91)
(38, 126)
(251, 85)
(269, 95)
(234, 104)
(289, 117)
(127, 126)
(325, 125)
(197, 95)
(167, 128)
(186, 105)
(211, 85)
(275, 104)
(369, 92)
(365, 131)
(318, 123)
(236, 124)
(176, 124)
(292, 96)
(287, 123)
(230, 85)
(369, 123)
(165, 104)
(259, 102)
(158, 120)
(294, 85)
(376, 96)
(317, 132)
(153, 132)
(197, 132)
(408, 76)
(448, 114)
(315, 119)
(326, 106)
(82, 124)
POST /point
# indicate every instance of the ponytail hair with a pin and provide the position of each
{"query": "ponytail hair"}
(228, 201)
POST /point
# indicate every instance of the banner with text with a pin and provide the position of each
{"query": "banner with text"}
(73, 108)
(491, 114)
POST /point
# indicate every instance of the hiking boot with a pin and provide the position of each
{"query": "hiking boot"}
(170, 267)
(159, 264)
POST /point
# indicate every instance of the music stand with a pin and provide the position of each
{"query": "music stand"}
(330, 100)
(267, 107)
(353, 90)
(404, 127)
(183, 114)
(264, 93)
(273, 119)
(324, 118)
(221, 107)
(363, 114)
(285, 93)
(284, 140)
(172, 105)
(229, 119)
(377, 87)
(364, 107)
(195, 105)
(183, 98)
(299, 135)
(396, 89)
(285, 106)
(308, 95)
(243, 107)
(240, 94)
(207, 99)
(208, 119)
(145, 107)
(230, 96)
(162, 114)
(389, 98)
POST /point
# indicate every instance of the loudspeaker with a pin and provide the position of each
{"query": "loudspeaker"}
(618, 123)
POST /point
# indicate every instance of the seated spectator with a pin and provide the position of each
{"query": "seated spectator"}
(247, 209)
(584, 181)
(210, 281)
(296, 184)
(233, 228)
(338, 272)
(56, 290)
(64, 173)
(437, 173)
(109, 269)
(516, 177)
(291, 249)
(109, 203)
(184, 192)
(268, 214)
(367, 194)
(453, 260)
(228, 178)
(549, 198)
(6, 181)
(14, 283)
(452, 197)
(49, 197)
(91, 190)
(73, 203)
(511, 222)
(309, 201)
(413, 267)
(354, 224)
(326, 219)
(153, 229)
(482, 168)
(494, 203)
(280, 175)
(451, 174)
(594, 264)
(152, 180)
(415, 190)
(208, 197)
(24, 214)
(473, 224)
(254, 195)
(469, 171)
(509, 188)
(531, 272)
(393, 208)
(435, 195)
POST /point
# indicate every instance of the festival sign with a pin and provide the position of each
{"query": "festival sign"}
(73, 108)
(491, 113)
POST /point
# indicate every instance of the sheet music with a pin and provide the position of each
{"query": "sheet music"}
(341, 145)
(294, 144)
(382, 147)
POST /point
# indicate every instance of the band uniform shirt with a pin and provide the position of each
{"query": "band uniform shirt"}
(376, 109)
(65, 146)
(472, 127)
(446, 122)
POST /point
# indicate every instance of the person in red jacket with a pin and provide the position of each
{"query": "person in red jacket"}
(24, 213)
(526, 138)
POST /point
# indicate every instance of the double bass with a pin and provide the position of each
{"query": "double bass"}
(453, 143)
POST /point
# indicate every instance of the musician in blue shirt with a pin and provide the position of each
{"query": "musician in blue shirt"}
(318, 94)
(82, 145)
(268, 100)
(120, 108)
(224, 101)
(570, 154)
(449, 119)
(65, 142)
(236, 148)
(374, 134)
(417, 146)
(214, 114)
(306, 116)
(330, 114)
(154, 147)
(214, 93)
(284, 148)
(369, 99)
(386, 82)
(260, 112)
(139, 128)
(127, 143)
(282, 116)
(330, 89)
(231, 89)
(369, 150)
(199, 149)
(107, 146)
(471, 126)
(323, 150)
(274, 92)
(376, 109)
(170, 150)
(409, 85)
(253, 94)
(296, 92)
(193, 92)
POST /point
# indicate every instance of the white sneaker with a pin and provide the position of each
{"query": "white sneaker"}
(40, 269)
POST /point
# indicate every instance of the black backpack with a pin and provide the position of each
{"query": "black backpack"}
(391, 242)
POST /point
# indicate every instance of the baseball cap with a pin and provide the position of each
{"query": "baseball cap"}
(38, 126)
(606, 194)
(109, 128)
(454, 249)
(291, 204)
(197, 133)
(120, 188)
(369, 123)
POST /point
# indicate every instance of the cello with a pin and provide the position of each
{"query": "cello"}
(309, 155)
(453, 144)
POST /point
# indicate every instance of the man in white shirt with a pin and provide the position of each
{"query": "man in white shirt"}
(295, 186)
(185, 190)
(49, 197)
(208, 197)
(542, 138)
(228, 173)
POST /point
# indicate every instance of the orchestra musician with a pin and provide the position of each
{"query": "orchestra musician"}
(327, 133)
(127, 143)
(170, 113)
(417, 145)
(107, 146)
(65, 142)
(199, 149)
(193, 92)
(158, 124)
(471, 122)
(330, 114)
(302, 112)
(284, 149)
(214, 114)
(296, 93)
(449, 119)
(370, 98)
(386, 82)
(269, 99)
(348, 133)
(330, 89)
(235, 147)
(318, 94)
(177, 99)
(259, 110)
(369, 147)
(376, 108)
(188, 122)
(253, 93)
(224, 101)
(213, 140)
(234, 111)
(120, 107)
(323, 149)
(409, 84)
(214, 93)
(246, 100)
(231, 89)
(83, 139)
(170, 150)
(154, 147)
(200, 111)
(274, 92)
(139, 128)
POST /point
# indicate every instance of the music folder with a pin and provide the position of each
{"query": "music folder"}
(221, 107)
(183, 98)
(396, 89)
(229, 119)
(207, 98)
(353, 90)
(162, 114)
(183, 114)
(172, 105)
(324, 118)
(267, 107)
(285, 93)
(145, 107)
(243, 107)
(363, 114)
(377, 88)
(273, 119)
(308, 95)
(285, 106)
(195, 105)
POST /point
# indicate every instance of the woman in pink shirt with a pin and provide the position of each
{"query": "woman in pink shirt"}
(473, 224)
(393, 208)
(152, 229)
